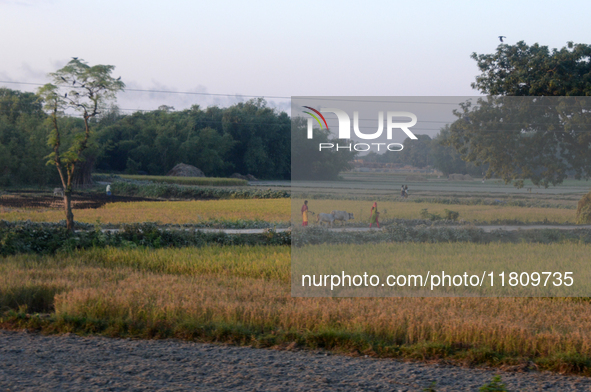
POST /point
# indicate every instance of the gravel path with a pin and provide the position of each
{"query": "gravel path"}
(33, 362)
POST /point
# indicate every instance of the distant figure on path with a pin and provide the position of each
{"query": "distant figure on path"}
(109, 190)
(405, 191)
(374, 215)
(402, 191)
(305, 213)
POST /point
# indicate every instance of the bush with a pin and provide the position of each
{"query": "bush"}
(584, 210)
(451, 215)
(45, 239)
(193, 192)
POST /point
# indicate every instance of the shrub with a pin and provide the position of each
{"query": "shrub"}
(193, 192)
(451, 215)
(494, 386)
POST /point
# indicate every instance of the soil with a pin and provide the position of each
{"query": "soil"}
(36, 199)
(34, 362)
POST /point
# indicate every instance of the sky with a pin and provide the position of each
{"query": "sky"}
(274, 49)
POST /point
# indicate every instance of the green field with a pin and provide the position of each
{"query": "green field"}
(202, 181)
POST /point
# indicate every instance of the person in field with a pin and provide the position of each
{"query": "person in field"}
(374, 215)
(109, 190)
(305, 213)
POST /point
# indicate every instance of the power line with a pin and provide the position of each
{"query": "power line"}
(168, 92)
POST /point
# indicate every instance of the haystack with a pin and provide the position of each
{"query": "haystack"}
(584, 210)
(460, 177)
(182, 170)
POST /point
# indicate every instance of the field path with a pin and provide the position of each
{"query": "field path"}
(487, 229)
(33, 362)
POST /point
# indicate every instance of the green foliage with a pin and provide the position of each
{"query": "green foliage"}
(49, 239)
(193, 192)
(422, 233)
(584, 210)
(208, 181)
(494, 386)
(538, 139)
(249, 138)
(522, 70)
(451, 215)
(308, 163)
(23, 143)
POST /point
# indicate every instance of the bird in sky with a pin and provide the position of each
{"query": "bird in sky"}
(64, 79)
(74, 58)
(119, 78)
(501, 37)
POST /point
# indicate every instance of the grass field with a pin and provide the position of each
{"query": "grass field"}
(178, 212)
(242, 295)
(472, 213)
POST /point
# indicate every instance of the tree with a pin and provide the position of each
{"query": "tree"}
(308, 163)
(83, 89)
(519, 134)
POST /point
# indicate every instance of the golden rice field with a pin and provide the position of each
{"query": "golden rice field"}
(405, 210)
(242, 295)
(277, 210)
(174, 212)
(453, 259)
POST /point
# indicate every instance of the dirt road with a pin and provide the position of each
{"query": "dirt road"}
(33, 362)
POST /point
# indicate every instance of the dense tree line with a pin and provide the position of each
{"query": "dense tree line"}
(246, 138)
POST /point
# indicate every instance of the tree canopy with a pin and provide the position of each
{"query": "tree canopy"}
(515, 131)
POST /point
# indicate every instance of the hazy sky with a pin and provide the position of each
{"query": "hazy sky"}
(274, 48)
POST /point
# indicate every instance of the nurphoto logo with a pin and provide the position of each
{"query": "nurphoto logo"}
(344, 129)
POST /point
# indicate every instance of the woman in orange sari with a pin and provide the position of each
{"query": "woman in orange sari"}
(374, 215)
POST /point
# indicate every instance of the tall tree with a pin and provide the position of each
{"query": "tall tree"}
(83, 89)
(516, 132)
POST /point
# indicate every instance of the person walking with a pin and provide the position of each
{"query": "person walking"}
(109, 190)
(406, 191)
(402, 191)
(305, 213)
(374, 215)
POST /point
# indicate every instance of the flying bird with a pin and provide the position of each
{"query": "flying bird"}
(501, 37)
(119, 78)
(74, 58)
(64, 79)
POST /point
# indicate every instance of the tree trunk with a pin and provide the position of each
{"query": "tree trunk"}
(68, 207)
(82, 177)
